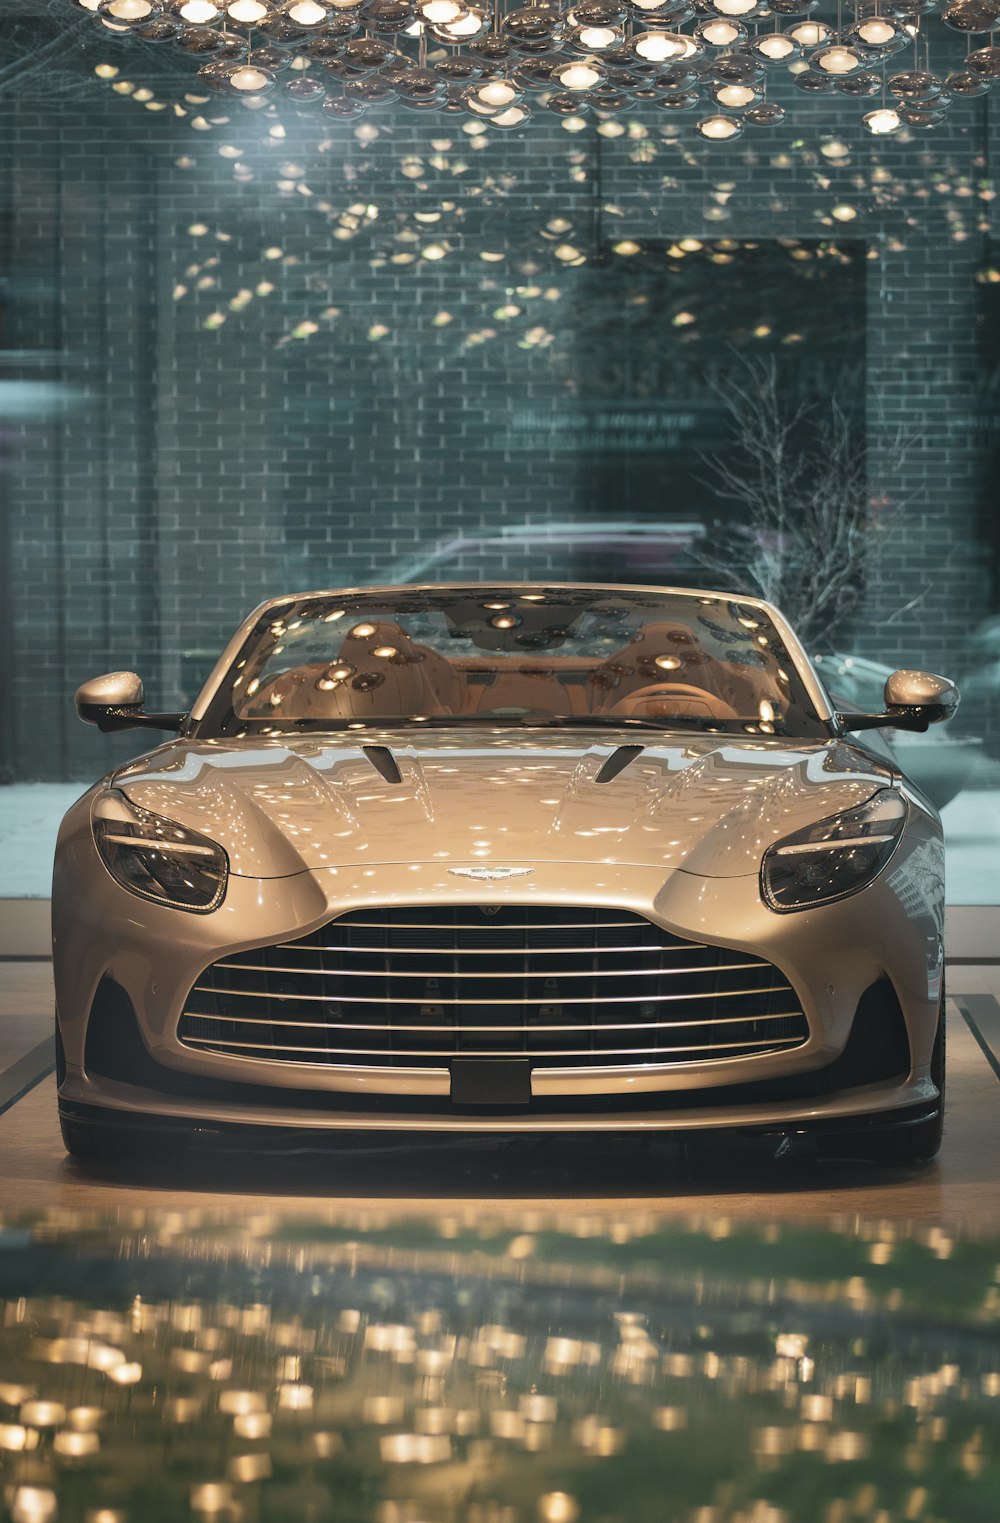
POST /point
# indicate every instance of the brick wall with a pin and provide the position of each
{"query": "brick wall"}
(195, 448)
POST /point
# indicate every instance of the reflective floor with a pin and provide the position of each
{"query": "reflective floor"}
(519, 1333)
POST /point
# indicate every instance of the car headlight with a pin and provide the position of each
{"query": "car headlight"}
(835, 857)
(156, 858)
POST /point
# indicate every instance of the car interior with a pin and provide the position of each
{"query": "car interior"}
(658, 673)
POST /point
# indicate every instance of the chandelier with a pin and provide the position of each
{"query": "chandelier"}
(709, 58)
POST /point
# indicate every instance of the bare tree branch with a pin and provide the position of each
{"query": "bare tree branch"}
(807, 528)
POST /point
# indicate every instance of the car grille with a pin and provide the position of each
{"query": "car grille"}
(565, 987)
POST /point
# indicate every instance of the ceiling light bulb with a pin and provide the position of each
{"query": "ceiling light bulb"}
(598, 37)
(718, 129)
(247, 12)
(883, 121)
(248, 79)
(129, 10)
(496, 92)
(734, 7)
(306, 13)
(199, 12)
(465, 26)
(877, 31)
(442, 12)
(775, 46)
(809, 34)
(836, 60)
(660, 47)
(719, 34)
(578, 76)
(734, 96)
(512, 117)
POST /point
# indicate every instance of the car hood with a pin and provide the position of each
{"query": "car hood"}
(705, 804)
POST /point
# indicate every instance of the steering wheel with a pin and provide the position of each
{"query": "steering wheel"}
(644, 700)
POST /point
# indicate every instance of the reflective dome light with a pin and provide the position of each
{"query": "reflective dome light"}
(733, 97)
(661, 47)
(597, 13)
(720, 33)
(129, 12)
(307, 13)
(342, 107)
(883, 122)
(774, 47)
(471, 102)
(877, 32)
(837, 59)
(441, 12)
(718, 129)
(304, 91)
(250, 79)
(497, 93)
(859, 85)
(685, 100)
(512, 117)
(915, 85)
(985, 61)
(579, 74)
(964, 82)
(810, 34)
(735, 7)
(475, 23)
(248, 12)
(972, 15)
(197, 12)
(767, 114)
(594, 38)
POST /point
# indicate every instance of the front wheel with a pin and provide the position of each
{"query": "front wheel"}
(917, 1143)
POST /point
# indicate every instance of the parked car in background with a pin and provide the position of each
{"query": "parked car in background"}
(572, 550)
(494, 858)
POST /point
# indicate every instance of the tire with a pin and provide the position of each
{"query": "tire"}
(917, 1143)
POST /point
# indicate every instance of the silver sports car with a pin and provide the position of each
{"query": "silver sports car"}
(523, 858)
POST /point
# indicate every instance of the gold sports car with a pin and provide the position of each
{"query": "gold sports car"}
(503, 859)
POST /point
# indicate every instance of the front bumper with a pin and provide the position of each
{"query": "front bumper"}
(830, 956)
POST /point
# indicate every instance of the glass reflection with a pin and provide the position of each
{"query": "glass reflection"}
(499, 1368)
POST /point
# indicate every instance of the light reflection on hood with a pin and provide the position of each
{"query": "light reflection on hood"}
(709, 805)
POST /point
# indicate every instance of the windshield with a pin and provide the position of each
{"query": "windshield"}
(513, 655)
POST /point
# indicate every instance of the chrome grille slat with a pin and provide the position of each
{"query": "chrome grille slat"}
(549, 925)
(722, 967)
(645, 1053)
(479, 952)
(263, 1020)
(587, 987)
(427, 999)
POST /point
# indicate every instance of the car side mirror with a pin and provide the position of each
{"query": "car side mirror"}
(913, 700)
(935, 698)
(114, 702)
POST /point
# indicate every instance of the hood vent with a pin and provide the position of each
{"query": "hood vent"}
(617, 762)
(384, 762)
